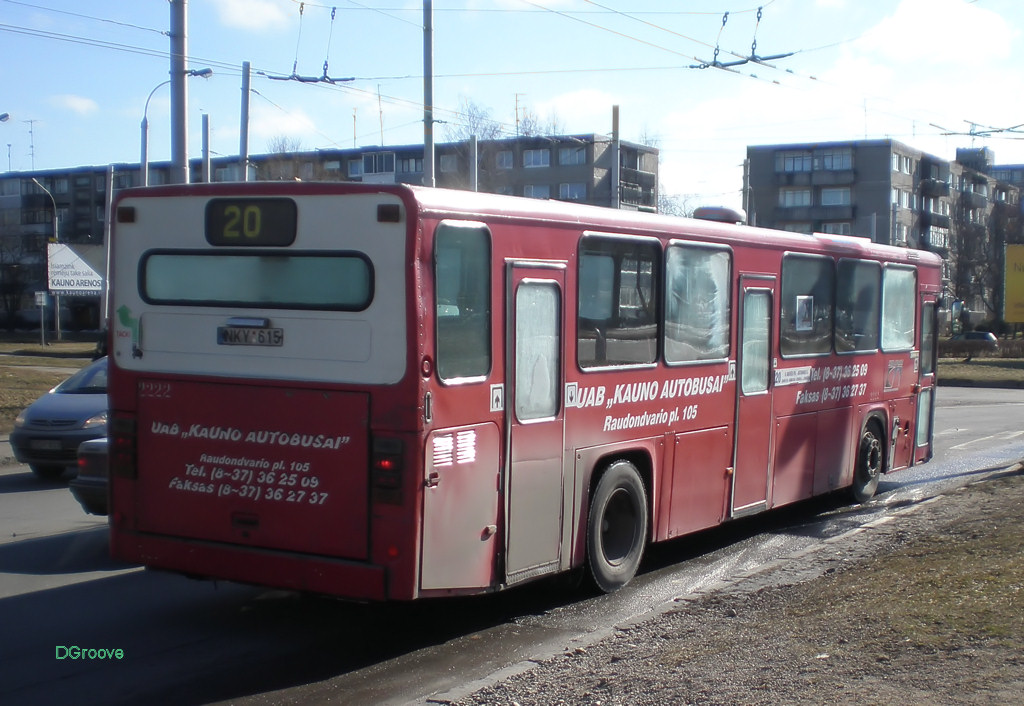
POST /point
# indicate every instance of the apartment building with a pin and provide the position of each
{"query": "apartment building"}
(587, 168)
(892, 193)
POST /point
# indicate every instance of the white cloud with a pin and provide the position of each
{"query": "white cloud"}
(76, 104)
(930, 32)
(257, 15)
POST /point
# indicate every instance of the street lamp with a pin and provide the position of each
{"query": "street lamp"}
(144, 162)
(56, 297)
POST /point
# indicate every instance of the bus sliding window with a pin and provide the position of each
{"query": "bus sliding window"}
(807, 293)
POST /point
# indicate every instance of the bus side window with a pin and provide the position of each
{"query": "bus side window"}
(899, 303)
(462, 300)
(617, 320)
(697, 287)
(858, 306)
(807, 293)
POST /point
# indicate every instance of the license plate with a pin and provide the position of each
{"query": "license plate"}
(45, 444)
(247, 336)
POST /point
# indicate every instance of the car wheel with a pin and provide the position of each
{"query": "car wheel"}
(870, 462)
(617, 527)
(47, 472)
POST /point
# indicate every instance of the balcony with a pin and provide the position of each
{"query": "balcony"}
(792, 179)
(973, 200)
(828, 177)
(934, 219)
(934, 187)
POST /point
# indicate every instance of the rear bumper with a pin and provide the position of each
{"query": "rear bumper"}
(91, 494)
(262, 567)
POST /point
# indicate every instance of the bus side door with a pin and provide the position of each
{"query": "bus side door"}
(535, 421)
(755, 426)
(926, 378)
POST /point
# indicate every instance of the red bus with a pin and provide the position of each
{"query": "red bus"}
(391, 392)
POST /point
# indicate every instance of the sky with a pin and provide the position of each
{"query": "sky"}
(75, 77)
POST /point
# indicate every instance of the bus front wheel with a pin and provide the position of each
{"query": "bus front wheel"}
(870, 459)
(617, 526)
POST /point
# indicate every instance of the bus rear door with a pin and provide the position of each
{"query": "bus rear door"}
(534, 418)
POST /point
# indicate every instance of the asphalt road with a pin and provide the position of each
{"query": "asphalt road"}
(185, 641)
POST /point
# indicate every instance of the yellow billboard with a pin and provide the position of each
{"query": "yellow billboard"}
(1014, 306)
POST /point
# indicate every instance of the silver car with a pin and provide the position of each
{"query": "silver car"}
(48, 432)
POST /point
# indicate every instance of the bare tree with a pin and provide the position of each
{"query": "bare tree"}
(473, 120)
(532, 125)
(283, 144)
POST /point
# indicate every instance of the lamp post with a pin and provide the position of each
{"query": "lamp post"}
(56, 238)
(144, 161)
(4, 117)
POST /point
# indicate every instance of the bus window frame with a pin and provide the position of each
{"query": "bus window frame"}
(657, 280)
(878, 265)
(790, 255)
(255, 253)
(914, 308)
(488, 288)
(729, 287)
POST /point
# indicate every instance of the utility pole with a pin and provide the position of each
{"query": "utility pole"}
(32, 141)
(243, 140)
(179, 92)
(428, 93)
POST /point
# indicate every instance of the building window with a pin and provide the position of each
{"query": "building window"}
(895, 162)
(537, 158)
(410, 165)
(504, 159)
(575, 191)
(355, 168)
(800, 227)
(537, 191)
(793, 161)
(835, 197)
(840, 228)
(379, 163)
(449, 163)
(571, 156)
(791, 198)
(835, 159)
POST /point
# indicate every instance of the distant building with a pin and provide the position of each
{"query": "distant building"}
(579, 168)
(892, 193)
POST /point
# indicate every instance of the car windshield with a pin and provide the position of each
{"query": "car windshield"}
(90, 380)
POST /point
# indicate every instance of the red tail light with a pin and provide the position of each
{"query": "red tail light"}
(386, 470)
(123, 446)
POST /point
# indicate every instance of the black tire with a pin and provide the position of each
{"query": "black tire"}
(617, 527)
(870, 464)
(47, 472)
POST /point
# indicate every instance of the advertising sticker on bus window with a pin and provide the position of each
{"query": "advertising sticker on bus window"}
(804, 312)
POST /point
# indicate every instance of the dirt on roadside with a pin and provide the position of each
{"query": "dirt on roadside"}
(927, 608)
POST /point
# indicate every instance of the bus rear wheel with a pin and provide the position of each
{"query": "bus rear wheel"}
(617, 526)
(870, 460)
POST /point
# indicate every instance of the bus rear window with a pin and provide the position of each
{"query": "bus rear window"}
(329, 281)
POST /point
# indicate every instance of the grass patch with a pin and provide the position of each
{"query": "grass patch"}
(995, 372)
(20, 387)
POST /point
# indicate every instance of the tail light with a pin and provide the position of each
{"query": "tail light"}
(386, 470)
(123, 446)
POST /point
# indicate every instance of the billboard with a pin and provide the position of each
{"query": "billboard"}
(70, 274)
(1014, 301)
